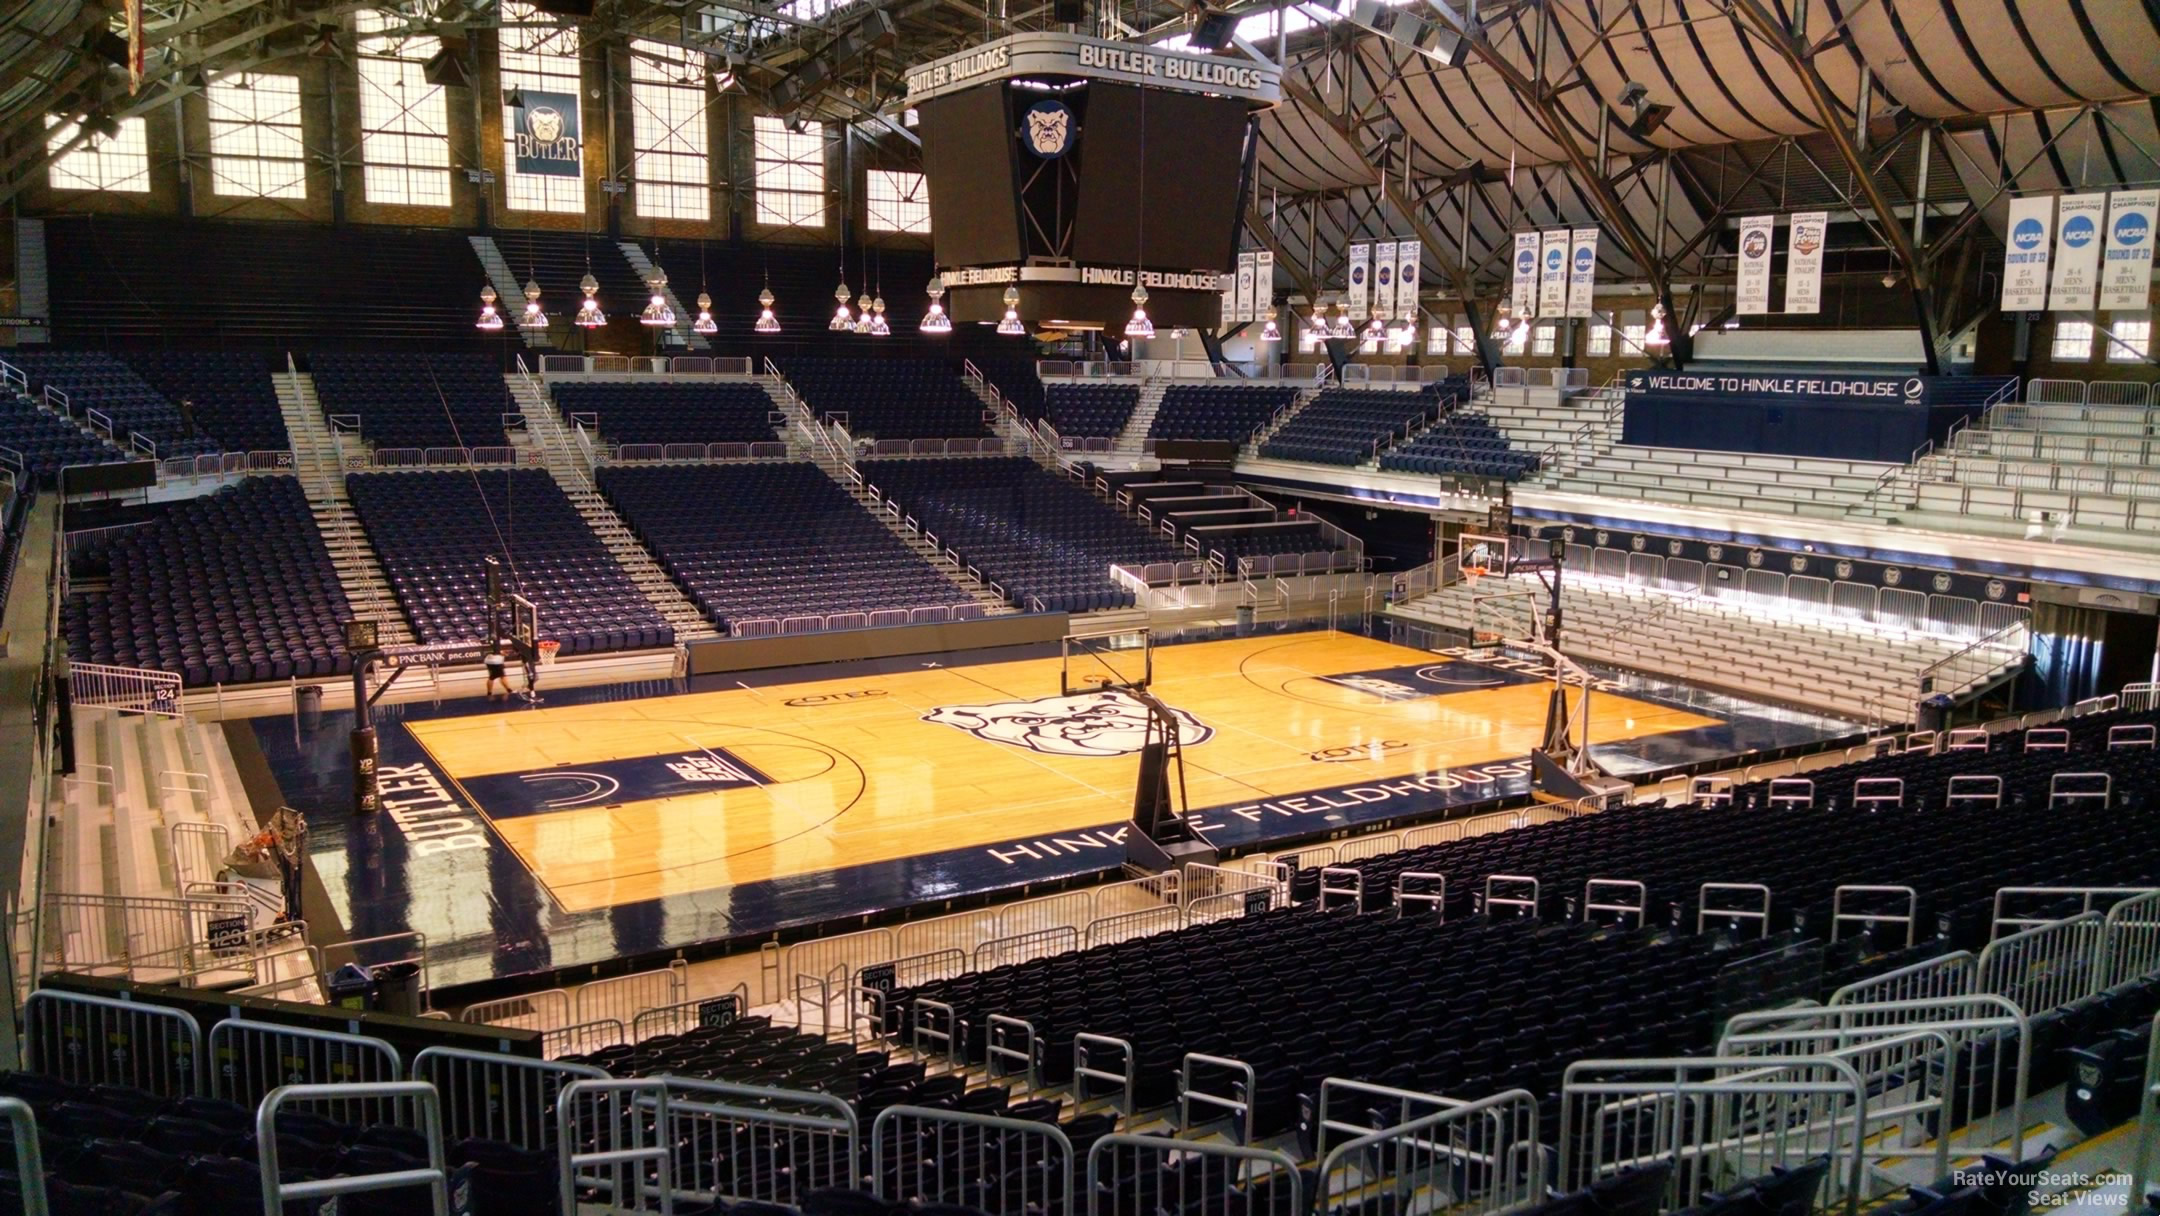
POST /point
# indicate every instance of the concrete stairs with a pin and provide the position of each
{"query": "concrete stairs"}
(1251, 450)
(322, 479)
(679, 334)
(1013, 429)
(505, 282)
(33, 296)
(565, 462)
(1133, 439)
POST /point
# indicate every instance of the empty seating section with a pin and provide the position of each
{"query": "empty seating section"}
(433, 530)
(1090, 410)
(227, 394)
(1262, 540)
(887, 398)
(770, 541)
(1016, 381)
(1463, 444)
(1741, 481)
(46, 441)
(1348, 426)
(1038, 536)
(1218, 411)
(94, 380)
(416, 401)
(733, 411)
(228, 588)
(2085, 466)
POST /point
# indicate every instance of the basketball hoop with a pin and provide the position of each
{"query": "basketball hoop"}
(548, 648)
(1471, 574)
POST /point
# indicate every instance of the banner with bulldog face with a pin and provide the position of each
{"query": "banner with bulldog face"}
(546, 129)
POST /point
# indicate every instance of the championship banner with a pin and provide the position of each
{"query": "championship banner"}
(1803, 262)
(1229, 298)
(1242, 308)
(1582, 273)
(1263, 277)
(1523, 297)
(1354, 299)
(2025, 261)
(1383, 281)
(1758, 235)
(1552, 273)
(2126, 271)
(1409, 255)
(2075, 279)
(547, 134)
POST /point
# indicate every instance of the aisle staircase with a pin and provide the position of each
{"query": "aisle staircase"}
(1251, 449)
(1132, 441)
(566, 462)
(316, 463)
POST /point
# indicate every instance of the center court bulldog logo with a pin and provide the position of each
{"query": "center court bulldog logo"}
(1088, 724)
(1049, 129)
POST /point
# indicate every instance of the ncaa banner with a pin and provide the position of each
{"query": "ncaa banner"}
(1803, 262)
(2074, 281)
(547, 134)
(1409, 255)
(2126, 270)
(1242, 309)
(1758, 235)
(1523, 297)
(1355, 299)
(1582, 272)
(1263, 279)
(1383, 281)
(2025, 259)
(1552, 273)
(1228, 283)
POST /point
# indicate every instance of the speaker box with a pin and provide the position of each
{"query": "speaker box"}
(1213, 30)
(446, 67)
(1068, 12)
(565, 8)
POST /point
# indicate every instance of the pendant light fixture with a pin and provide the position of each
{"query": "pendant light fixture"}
(842, 320)
(534, 317)
(1269, 332)
(767, 323)
(1500, 325)
(1657, 335)
(490, 320)
(862, 313)
(704, 323)
(1318, 324)
(935, 321)
(589, 315)
(879, 326)
(1342, 328)
(1139, 326)
(1011, 324)
(657, 314)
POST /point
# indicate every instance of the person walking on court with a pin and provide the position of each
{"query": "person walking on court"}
(498, 678)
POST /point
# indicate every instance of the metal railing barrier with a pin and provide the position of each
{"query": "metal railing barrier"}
(94, 1040)
(1007, 1167)
(498, 1097)
(415, 1106)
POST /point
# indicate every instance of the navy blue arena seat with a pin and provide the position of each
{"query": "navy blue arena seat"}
(1464, 444)
(46, 441)
(769, 541)
(1347, 425)
(1218, 411)
(95, 380)
(1016, 381)
(1038, 536)
(432, 531)
(888, 398)
(228, 588)
(416, 401)
(731, 411)
(1090, 410)
(227, 394)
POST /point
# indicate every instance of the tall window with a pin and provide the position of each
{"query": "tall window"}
(899, 202)
(255, 148)
(2073, 339)
(1600, 338)
(1633, 329)
(115, 162)
(404, 120)
(1436, 340)
(790, 176)
(538, 53)
(670, 149)
(1465, 340)
(2128, 339)
(1541, 339)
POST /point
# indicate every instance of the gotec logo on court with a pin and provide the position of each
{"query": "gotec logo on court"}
(834, 698)
(1363, 751)
(1089, 724)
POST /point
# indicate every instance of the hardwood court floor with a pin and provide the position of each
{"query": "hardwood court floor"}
(626, 801)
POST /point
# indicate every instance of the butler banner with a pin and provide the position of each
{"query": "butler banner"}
(1803, 262)
(1758, 236)
(1523, 299)
(1383, 281)
(1355, 298)
(2077, 251)
(1408, 254)
(547, 134)
(1582, 273)
(2126, 272)
(2025, 260)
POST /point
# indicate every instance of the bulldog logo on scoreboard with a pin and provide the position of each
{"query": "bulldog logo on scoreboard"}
(1049, 130)
(1088, 724)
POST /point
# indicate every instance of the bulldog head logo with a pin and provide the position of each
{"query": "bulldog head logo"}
(544, 123)
(1088, 724)
(1049, 128)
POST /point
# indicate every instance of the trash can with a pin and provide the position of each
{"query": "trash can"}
(1244, 618)
(397, 988)
(307, 702)
(352, 987)
(1933, 713)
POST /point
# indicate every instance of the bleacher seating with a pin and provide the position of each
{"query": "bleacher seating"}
(1218, 411)
(2093, 467)
(1090, 410)
(769, 541)
(46, 441)
(1463, 444)
(228, 394)
(228, 588)
(416, 401)
(95, 380)
(432, 531)
(887, 398)
(1038, 536)
(726, 411)
(1347, 426)
(1266, 540)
